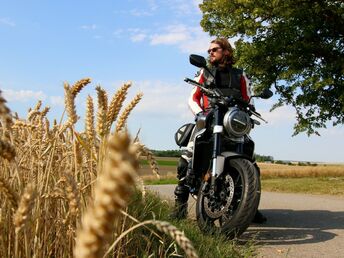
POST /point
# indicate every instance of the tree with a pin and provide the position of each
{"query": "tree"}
(294, 45)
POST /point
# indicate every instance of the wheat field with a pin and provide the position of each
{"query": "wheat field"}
(64, 191)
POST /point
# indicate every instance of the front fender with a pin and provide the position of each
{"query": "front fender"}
(232, 154)
(221, 159)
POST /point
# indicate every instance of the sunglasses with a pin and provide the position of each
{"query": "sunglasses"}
(214, 49)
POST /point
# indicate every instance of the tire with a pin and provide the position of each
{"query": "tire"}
(234, 203)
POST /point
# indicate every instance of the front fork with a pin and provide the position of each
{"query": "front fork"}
(218, 160)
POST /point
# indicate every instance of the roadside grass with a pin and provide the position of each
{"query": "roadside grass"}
(173, 163)
(161, 181)
(311, 185)
(149, 242)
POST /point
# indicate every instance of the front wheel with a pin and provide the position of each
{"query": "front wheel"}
(230, 205)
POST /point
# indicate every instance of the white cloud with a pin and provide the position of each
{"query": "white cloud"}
(89, 27)
(138, 37)
(184, 8)
(333, 131)
(7, 22)
(140, 13)
(118, 33)
(173, 34)
(57, 101)
(23, 95)
(280, 116)
(186, 38)
(152, 5)
(163, 98)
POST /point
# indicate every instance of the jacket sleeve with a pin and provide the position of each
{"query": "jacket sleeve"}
(196, 96)
(245, 87)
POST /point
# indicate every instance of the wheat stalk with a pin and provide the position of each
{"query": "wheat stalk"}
(124, 116)
(111, 194)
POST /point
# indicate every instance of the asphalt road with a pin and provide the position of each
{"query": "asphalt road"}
(298, 225)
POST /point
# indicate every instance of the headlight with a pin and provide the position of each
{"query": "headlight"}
(236, 122)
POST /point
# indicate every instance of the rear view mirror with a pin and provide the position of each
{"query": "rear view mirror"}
(198, 61)
(265, 94)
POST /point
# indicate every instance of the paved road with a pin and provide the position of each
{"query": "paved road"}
(298, 225)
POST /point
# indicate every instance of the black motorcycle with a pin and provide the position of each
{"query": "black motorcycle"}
(227, 178)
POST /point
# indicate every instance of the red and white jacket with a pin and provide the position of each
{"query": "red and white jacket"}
(198, 102)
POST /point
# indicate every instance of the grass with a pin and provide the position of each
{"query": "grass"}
(172, 163)
(310, 185)
(162, 181)
(144, 241)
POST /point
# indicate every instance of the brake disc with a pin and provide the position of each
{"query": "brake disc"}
(217, 204)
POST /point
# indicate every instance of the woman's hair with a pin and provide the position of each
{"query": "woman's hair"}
(228, 59)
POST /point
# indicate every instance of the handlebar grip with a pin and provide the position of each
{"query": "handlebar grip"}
(188, 80)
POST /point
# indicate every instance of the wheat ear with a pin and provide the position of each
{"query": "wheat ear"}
(102, 110)
(70, 105)
(111, 194)
(7, 151)
(178, 236)
(89, 123)
(124, 116)
(79, 85)
(144, 151)
(45, 111)
(38, 106)
(72, 195)
(5, 113)
(116, 104)
(18, 124)
(166, 228)
(9, 193)
(25, 206)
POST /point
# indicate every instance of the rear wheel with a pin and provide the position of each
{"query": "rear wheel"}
(230, 205)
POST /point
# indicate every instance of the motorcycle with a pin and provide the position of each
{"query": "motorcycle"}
(227, 178)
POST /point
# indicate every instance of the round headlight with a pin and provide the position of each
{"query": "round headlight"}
(237, 122)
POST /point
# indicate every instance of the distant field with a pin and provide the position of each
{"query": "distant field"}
(295, 171)
(168, 166)
(319, 179)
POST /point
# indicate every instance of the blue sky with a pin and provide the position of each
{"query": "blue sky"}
(45, 43)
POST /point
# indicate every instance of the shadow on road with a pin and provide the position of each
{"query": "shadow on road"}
(295, 227)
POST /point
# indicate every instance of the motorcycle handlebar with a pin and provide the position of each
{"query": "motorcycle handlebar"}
(229, 100)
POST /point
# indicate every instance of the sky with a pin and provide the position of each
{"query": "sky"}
(148, 42)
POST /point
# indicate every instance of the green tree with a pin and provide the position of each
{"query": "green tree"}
(295, 45)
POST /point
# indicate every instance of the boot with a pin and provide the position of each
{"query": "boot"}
(180, 210)
(190, 176)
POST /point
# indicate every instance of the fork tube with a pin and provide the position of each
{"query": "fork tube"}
(218, 128)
